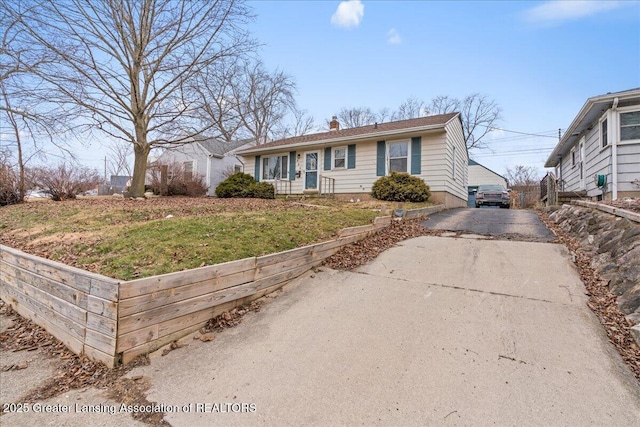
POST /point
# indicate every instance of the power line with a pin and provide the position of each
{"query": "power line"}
(530, 134)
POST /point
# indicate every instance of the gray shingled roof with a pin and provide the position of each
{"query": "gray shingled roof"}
(219, 147)
(376, 129)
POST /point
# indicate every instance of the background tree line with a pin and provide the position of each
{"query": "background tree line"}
(152, 74)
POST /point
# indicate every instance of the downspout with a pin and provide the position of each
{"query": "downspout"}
(241, 162)
(614, 149)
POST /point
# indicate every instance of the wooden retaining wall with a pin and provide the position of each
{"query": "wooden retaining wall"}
(113, 322)
(77, 307)
(157, 310)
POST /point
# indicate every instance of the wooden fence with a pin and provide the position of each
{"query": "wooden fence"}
(114, 321)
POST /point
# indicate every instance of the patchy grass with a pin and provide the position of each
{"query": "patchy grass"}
(367, 204)
(128, 239)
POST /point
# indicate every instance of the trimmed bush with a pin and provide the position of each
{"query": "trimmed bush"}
(243, 185)
(400, 187)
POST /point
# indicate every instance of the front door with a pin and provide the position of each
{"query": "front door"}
(311, 171)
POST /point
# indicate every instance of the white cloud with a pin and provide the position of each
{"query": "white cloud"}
(568, 10)
(349, 14)
(393, 37)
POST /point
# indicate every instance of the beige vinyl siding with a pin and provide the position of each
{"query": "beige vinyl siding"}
(571, 172)
(361, 178)
(456, 185)
(597, 161)
(479, 175)
(628, 166)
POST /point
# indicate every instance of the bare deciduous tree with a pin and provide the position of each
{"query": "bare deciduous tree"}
(523, 176)
(479, 115)
(302, 124)
(120, 158)
(27, 118)
(356, 116)
(214, 90)
(412, 108)
(264, 99)
(128, 63)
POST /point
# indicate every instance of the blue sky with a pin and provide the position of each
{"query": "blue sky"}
(539, 61)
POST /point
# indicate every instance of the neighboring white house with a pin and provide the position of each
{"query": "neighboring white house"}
(601, 146)
(347, 162)
(481, 175)
(211, 158)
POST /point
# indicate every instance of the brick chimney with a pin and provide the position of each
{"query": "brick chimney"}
(334, 124)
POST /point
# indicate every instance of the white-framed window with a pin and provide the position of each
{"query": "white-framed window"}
(398, 155)
(629, 126)
(604, 133)
(237, 168)
(339, 157)
(188, 168)
(573, 157)
(275, 167)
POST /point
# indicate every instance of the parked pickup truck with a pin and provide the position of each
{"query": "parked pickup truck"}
(492, 195)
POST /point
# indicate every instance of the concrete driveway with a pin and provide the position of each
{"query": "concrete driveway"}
(517, 224)
(436, 331)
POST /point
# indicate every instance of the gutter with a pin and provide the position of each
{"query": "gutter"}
(324, 142)
(591, 102)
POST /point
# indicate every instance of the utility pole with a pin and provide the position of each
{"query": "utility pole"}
(105, 169)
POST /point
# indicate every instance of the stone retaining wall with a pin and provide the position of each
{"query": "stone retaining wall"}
(612, 237)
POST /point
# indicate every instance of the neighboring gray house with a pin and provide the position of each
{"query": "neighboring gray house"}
(346, 162)
(211, 158)
(481, 175)
(599, 155)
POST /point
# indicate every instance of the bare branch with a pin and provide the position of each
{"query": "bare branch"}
(128, 64)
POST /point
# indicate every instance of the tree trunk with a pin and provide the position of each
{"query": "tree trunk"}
(141, 154)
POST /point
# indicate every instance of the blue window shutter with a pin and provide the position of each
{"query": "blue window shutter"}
(256, 174)
(351, 156)
(292, 166)
(381, 167)
(327, 159)
(416, 155)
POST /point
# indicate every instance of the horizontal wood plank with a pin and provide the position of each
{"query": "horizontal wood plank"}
(98, 356)
(271, 259)
(101, 342)
(12, 274)
(66, 309)
(71, 276)
(104, 308)
(137, 338)
(146, 302)
(270, 270)
(148, 285)
(346, 232)
(62, 334)
(235, 279)
(102, 324)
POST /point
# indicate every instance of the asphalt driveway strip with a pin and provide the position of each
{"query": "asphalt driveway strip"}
(504, 224)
